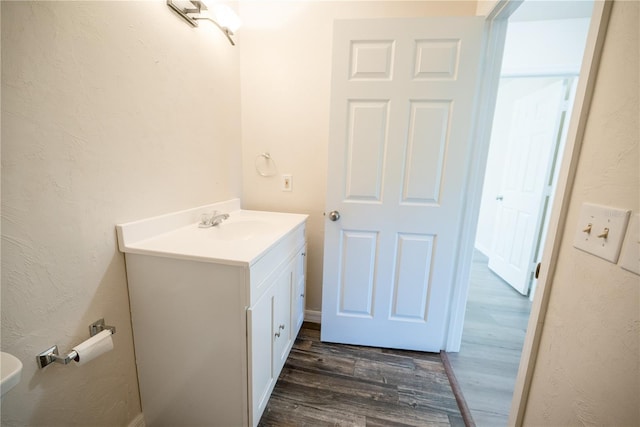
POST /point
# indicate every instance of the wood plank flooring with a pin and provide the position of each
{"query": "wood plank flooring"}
(494, 329)
(325, 384)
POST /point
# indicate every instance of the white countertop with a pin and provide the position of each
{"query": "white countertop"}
(239, 240)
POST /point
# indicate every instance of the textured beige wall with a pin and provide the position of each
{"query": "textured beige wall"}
(111, 112)
(286, 77)
(588, 367)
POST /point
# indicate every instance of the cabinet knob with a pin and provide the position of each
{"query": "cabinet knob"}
(282, 327)
(277, 334)
(302, 295)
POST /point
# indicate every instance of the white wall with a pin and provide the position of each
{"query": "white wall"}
(553, 46)
(286, 76)
(111, 112)
(588, 366)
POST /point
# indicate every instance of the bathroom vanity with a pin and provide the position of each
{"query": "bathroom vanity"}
(215, 311)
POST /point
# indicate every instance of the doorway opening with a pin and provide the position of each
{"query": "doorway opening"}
(542, 58)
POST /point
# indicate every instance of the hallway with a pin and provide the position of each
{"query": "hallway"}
(494, 329)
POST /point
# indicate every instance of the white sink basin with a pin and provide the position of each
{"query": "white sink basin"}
(239, 230)
(10, 370)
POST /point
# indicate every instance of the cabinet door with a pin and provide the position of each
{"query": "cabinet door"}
(298, 296)
(283, 334)
(261, 377)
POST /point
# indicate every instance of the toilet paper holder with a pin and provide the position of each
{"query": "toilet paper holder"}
(52, 355)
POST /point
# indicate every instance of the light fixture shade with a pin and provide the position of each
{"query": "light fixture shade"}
(226, 17)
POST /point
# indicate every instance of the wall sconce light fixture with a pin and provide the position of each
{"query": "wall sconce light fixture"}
(195, 10)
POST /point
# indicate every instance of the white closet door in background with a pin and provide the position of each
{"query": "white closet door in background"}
(526, 185)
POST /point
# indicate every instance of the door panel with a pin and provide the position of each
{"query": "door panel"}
(426, 146)
(282, 335)
(299, 290)
(401, 109)
(367, 126)
(371, 60)
(260, 322)
(412, 279)
(358, 268)
(436, 59)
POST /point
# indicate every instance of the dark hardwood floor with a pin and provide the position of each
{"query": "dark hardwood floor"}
(494, 329)
(325, 384)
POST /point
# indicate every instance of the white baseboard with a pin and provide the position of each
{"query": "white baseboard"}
(138, 421)
(312, 316)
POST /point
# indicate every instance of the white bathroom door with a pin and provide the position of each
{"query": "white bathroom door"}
(402, 102)
(527, 181)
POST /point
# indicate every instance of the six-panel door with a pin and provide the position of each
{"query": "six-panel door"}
(401, 110)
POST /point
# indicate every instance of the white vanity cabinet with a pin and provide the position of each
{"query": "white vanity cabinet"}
(212, 334)
(278, 314)
(269, 321)
(299, 290)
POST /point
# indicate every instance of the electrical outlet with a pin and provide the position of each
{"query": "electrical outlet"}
(287, 182)
(601, 230)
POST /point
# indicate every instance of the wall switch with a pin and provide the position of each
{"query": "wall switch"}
(601, 230)
(630, 257)
(287, 182)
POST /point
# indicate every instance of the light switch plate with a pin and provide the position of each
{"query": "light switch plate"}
(630, 257)
(592, 225)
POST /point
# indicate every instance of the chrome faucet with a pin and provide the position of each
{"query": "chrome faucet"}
(218, 218)
(212, 219)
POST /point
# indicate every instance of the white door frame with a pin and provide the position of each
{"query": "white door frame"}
(497, 21)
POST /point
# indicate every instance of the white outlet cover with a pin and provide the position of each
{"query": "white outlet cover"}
(601, 217)
(287, 182)
(630, 258)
